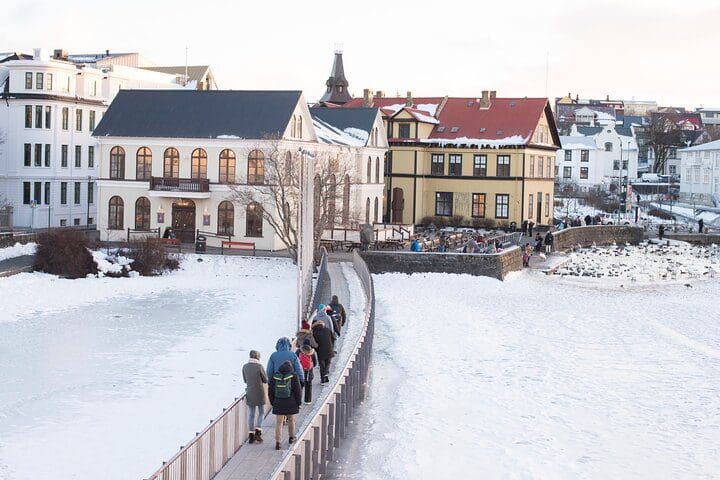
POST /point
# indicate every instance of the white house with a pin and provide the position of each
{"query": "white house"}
(614, 158)
(49, 109)
(580, 162)
(700, 179)
(177, 158)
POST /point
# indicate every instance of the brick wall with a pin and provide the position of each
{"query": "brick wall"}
(598, 235)
(495, 265)
(702, 239)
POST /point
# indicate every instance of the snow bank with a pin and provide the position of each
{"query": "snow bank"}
(17, 250)
(546, 380)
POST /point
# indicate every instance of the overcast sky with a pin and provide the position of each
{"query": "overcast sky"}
(664, 50)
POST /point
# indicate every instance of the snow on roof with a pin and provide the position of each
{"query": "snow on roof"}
(578, 143)
(431, 108)
(350, 136)
(715, 145)
(478, 142)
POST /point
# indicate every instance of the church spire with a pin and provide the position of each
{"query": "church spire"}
(337, 84)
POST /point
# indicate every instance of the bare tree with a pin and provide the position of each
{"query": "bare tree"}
(277, 190)
(663, 135)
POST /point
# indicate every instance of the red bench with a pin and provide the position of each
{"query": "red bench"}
(169, 243)
(237, 246)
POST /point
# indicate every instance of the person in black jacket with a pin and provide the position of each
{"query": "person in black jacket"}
(338, 308)
(325, 339)
(285, 396)
(549, 239)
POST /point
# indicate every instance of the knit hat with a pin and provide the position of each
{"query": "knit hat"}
(305, 325)
(321, 306)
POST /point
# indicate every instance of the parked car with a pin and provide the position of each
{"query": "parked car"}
(651, 178)
(612, 219)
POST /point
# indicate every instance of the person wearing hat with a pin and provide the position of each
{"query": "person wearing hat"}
(339, 308)
(308, 360)
(325, 339)
(304, 334)
(256, 396)
(321, 315)
(285, 393)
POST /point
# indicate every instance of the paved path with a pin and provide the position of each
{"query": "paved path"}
(14, 265)
(259, 461)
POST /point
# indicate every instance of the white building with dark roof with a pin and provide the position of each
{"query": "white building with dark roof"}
(179, 158)
(700, 178)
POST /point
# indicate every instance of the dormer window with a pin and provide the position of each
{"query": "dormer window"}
(454, 129)
(340, 88)
(440, 129)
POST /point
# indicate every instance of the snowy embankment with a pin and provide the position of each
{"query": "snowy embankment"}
(536, 377)
(107, 377)
(17, 250)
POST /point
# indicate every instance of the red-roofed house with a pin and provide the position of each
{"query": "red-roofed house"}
(488, 159)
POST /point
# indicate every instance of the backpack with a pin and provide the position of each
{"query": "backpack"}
(305, 361)
(283, 385)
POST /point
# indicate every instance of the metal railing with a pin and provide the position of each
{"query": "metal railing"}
(171, 184)
(316, 444)
(154, 232)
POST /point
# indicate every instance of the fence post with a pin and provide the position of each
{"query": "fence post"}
(323, 441)
(199, 459)
(298, 466)
(307, 458)
(337, 421)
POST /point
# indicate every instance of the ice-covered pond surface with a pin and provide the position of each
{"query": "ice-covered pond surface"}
(106, 378)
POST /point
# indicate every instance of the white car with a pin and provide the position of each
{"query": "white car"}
(612, 219)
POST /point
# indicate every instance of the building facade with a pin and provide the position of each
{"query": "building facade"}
(579, 164)
(480, 160)
(700, 178)
(50, 107)
(181, 159)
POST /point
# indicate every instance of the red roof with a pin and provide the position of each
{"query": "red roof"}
(462, 118)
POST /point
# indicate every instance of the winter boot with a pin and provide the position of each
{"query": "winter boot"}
(258, 435)
(291, 440)
(277, 445)
(251, 437)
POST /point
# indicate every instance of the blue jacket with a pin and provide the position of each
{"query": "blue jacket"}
(281, 355)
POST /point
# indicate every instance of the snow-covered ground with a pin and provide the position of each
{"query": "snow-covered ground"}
(17, 250)
(539, 377)
(107, 377)
(648, 262)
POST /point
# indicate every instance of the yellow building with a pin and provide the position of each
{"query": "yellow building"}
(488, 159)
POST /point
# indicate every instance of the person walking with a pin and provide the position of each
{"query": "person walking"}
(339, 309)
(286, 398)
(661, 231)
(531, 224)
(255, 395)
(442, 243)
(325, 350)
(322, 315)
(304, 334)
(308, 360)
(549, 239)
(701, 226)
(281, 355)
(588, 220)
(526, 256)
(524, 227)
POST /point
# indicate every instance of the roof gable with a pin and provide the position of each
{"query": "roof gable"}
(198, 114)
(344, 126)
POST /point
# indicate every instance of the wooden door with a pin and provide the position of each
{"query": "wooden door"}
(398, 205)
(183, 222)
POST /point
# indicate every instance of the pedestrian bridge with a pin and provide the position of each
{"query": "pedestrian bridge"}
(221, 452)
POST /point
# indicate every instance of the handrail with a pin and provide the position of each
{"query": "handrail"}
(314, 447)
(212, 235)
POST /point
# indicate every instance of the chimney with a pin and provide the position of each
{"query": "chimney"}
(367, 97)
(493, 94)
(379, 94)
(577, 97)
(60, 54)
(409, 100)
(485, 100)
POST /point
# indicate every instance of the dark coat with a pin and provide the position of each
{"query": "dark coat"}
(286, 406)
(325, 339)
(303, 335)
(338, 307)
(255, 379)
(549, 239)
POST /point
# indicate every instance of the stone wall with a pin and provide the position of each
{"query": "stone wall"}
(598, 235)
(697, 238)
(486, 265)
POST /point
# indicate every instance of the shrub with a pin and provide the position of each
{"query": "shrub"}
(457, 221)
(150, 257)
(486, 223)
(64, 253)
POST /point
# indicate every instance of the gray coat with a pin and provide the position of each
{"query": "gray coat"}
(256, 383)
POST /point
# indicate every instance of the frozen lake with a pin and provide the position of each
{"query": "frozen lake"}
(106, 378)
(539, 377)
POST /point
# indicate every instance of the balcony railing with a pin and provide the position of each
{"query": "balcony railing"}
(165, 184)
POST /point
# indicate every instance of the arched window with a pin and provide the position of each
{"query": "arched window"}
(377, 169)
(117, 163)
(143, 164)
(608, 146)
(116, 211)
(369, 170)
(198, 163)
(375, 210)
(256, 168)
(332, 194)
(346, 200)
(299, 127)
(254, 220)
(227, 166)
(367, 210)
(226, 219)
(171, 163)
(142, 214)
(293, 127)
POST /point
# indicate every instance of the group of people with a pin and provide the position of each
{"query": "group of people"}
(480, 244)
(287, 381)
(541, 244)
